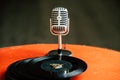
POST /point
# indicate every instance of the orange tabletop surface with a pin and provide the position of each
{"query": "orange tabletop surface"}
(103, 64)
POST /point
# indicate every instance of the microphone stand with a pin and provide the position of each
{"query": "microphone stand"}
(60, 46)
(59, 41)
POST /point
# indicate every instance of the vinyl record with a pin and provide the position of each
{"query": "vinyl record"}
(45, 68)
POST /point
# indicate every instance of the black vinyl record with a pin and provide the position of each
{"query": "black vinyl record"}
(45, 68)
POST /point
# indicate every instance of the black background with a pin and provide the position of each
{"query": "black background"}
(92, 22)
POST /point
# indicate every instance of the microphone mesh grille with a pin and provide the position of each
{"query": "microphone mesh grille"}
(63, 13)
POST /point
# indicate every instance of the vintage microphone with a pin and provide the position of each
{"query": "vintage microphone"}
(57, 65)
(59, 25)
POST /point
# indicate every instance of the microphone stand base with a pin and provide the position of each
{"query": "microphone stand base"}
(64, 53)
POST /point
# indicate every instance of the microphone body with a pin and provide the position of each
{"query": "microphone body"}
(59, 25)
(59, 21)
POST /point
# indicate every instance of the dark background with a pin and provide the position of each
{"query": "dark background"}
(93, 22)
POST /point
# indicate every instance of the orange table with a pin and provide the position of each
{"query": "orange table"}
(103, 64)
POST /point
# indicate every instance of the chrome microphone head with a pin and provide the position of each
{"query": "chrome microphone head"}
(59, 21)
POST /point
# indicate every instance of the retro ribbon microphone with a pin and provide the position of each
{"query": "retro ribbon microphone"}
(59, 25)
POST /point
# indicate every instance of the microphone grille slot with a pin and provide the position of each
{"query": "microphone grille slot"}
(59, 29)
